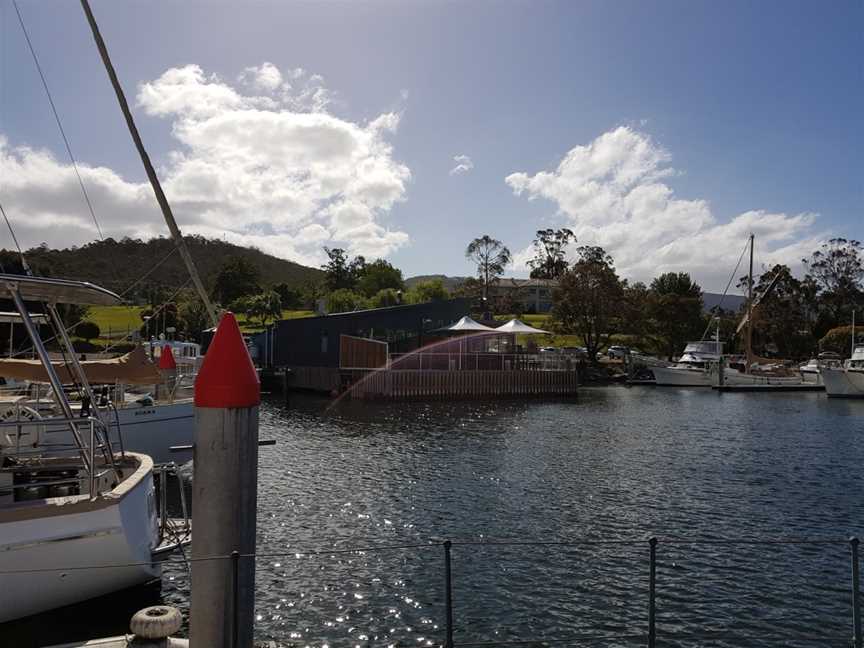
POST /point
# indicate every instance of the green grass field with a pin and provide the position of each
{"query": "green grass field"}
(115, 321)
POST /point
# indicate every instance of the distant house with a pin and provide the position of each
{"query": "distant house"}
(535, 295)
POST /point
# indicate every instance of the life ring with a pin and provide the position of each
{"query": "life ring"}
(30, 434)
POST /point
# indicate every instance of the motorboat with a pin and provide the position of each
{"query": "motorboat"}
(80, 523)
(846, 381)
(811, 370)
(692, 368)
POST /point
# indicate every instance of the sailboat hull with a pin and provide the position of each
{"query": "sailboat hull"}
(57, 538)
(150, 430)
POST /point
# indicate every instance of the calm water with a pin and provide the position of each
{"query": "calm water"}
(615, 464)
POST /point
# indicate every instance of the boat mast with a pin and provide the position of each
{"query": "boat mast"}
(853, 333)
(749, 341)
(148, 166)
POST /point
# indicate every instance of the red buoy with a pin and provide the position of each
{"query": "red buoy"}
(166, 358)
(227, 378)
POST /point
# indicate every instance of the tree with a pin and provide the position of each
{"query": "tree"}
(384, 298)
(344, 301)
(264, 307)
(87, 330)
(839, 340)
(193, 316)
(675, 311)
(427, 291)
(549, 260)
(780, 317)
(377, 276)
(837, 270)
(491, 257)
(291, 299)
(470, 287)
(236, 278)
(589, 300)
(340, 273)
(636, 321)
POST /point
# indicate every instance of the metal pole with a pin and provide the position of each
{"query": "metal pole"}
(448, 594)
(163, 501)
(652, 592)
(148, 166)
(93, 459)
(107, 454)
(856, 595)
(235, 597)
(53, 378)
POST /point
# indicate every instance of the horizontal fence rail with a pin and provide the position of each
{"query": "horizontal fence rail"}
(650, 636)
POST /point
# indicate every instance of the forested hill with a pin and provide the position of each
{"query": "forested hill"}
(118, 264)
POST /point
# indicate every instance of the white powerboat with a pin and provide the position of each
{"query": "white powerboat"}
(811, 370)
(692, 368)
(68, 519)
(846, 381)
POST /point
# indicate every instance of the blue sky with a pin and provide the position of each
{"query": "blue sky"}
(727, 117)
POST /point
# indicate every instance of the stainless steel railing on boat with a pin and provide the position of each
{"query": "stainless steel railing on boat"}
(98, 442)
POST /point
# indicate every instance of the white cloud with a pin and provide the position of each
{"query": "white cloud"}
(614, 193)
(263, 165)
(463, 165)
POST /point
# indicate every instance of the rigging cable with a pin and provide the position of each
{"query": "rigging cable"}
(728, 283)
(57, 119)
(15, 239)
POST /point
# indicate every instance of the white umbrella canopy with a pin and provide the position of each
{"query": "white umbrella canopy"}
(466, 324)
(518, 326)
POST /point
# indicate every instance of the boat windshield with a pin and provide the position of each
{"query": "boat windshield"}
(857, 359)
(703, 348)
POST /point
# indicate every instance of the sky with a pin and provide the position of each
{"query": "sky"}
(666, 131)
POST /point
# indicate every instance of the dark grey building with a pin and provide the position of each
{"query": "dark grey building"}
(315, 341)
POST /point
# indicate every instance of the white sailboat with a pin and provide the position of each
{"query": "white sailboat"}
(703, 364)
(86, 507)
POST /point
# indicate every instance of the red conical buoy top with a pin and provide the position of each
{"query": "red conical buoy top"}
(166, 358)
(227, 378)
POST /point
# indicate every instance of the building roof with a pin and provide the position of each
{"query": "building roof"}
(518, 326)
(465, 324)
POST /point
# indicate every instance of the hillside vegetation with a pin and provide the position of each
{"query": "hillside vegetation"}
(119, 264)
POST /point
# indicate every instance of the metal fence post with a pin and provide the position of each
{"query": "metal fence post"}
(652, 592)
(235, 598)
(856, 595)
(448, 594)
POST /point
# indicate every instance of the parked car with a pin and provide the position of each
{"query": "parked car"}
(577, 351)
(617, 351)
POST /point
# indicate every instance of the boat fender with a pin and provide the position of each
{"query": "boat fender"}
(30, 434)
(156, 622)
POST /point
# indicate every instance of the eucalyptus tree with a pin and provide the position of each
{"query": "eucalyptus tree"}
(675, 311)
(491, 257)
(550, 259)
(590, 300)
